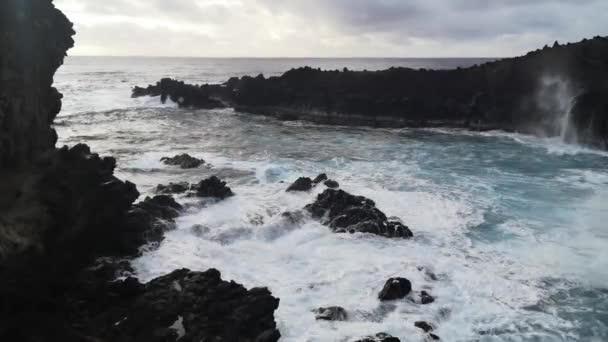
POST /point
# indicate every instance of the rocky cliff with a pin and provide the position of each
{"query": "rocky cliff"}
(546, 92)
(68, 226)
(34, 38)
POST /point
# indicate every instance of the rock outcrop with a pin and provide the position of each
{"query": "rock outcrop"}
(346, 213)
(34, 38)
(187, 306)
(185, 95)
(212, 187)
(332, 313)
(185, 161)
(379, 337)
(67, 224)
(395, 288)
(529, 94)
(301, 184)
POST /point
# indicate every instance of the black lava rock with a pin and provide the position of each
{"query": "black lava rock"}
(424, 326)
(332, 313)
(348, 213)
(380, 337)
(212, 188)
(395, 288)
(185, 161)
(426, 298)
(332, 184)
(301, 184)
(190, 306)
(173, 188)
(185, 95)
(320, 178)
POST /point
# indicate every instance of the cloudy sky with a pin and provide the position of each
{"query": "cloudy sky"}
(329, 28)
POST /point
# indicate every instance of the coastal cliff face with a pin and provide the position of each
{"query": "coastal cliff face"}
(533, 93)
(68, 226)
(547, 92)
(34, 38)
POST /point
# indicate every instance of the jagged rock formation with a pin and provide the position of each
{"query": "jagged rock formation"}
(63, 209)
(185, 306)
(185, 161)
(346, 213)
(185, 95)
(530, 94)
(34, 37)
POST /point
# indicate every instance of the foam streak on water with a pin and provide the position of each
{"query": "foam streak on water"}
(513, 226)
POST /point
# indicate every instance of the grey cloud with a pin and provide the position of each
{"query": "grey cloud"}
(358, 27)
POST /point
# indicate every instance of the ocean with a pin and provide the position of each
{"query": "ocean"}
(513, 226)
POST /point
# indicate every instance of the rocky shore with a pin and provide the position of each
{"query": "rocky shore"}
(555, 91)
(68, 226)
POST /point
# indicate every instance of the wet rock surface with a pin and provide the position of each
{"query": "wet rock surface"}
(332, 313)
(343, 212)
(301, 184)
(184, 161)
(320, 178)
(189, 306)
(502, 94)
(185, 95)
(332, 184)
(395, 288)
(380, 337)
(426, 298)
(212, 187)
(172, 188)
(424, 326)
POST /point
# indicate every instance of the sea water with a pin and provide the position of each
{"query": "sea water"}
(511, 231)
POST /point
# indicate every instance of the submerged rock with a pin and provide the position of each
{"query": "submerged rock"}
(424, 326)
(380, 337)
(332, 313)
(395, 288)
(344, 212)
(185, 161)
(426, 298)
(212, 187)
(172, 188)
(301, 184)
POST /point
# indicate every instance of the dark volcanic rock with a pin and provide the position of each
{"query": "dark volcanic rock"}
(348, 213)
(515, 94)
(589, 120)
(380, 337)
(173, 188)
(301, 184)
(332, 184)
(191, 306)
(32, 47)
(185, 161)
(212, 187)
(424, 326)
(332, 313)
(185, 95)
(62, 210)
(434, 337)
(395, 288)
(320, 178)
(426, 298)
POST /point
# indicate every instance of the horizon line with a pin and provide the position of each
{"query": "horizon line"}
(278, 57)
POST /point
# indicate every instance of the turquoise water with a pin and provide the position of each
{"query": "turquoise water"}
(514, 227)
